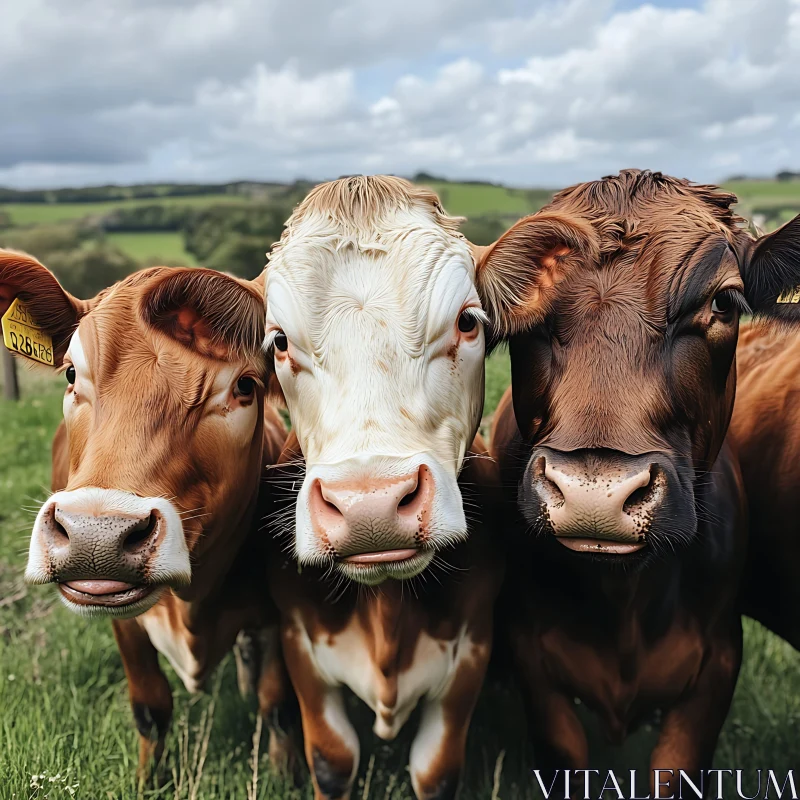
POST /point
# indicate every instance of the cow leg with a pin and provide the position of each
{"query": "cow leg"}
(245, 653)
(558, 737)
(149, 691)
(439, 747)
(277, 703)
(331, 745)
(331, 742)
(690, 729)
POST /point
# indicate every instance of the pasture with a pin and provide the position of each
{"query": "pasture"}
(771, 201)
(66, 729)
(49, 213)
(152, 246)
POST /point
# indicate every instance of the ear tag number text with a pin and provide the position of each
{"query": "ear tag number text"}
(22, 335)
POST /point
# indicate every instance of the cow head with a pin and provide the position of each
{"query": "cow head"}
(376, 329)
(163, 412)
(623, 390)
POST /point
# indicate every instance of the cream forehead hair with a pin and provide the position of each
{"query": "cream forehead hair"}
(364, 202)
(406, 238)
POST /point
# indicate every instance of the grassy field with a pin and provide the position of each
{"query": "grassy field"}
(459, 198)
(467, 199)
(774, 201)
(152, 246)
(473, 199)
(49, 213)
(66, 730)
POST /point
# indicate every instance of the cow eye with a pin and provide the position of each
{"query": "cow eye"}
(245, 386)
(724, 305)
(281, 342)
(467, 322)
(69, 372)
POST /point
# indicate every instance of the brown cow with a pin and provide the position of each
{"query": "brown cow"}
(612, 444)
(375, 322)
(766, 429)
(158, 467)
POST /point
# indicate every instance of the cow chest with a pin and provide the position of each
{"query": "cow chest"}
(628, 681)
(388, 674)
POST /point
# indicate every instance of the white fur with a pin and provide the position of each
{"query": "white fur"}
(175, 647)
(373, 383)
(345, 659)
(83, 388)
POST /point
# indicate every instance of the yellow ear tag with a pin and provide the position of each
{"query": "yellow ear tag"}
(791, 295)
(21, 334)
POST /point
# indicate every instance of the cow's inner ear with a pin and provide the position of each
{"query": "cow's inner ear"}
(207, 311)
(771, 273)
(44, 315)
(518, 275)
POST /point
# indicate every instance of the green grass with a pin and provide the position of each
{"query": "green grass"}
(468, 199)
(765, 189)
(150, 247)
(473, 199)
(458, 198)
(48, 213)
(64, 711)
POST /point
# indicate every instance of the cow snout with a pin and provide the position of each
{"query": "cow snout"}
(118, 545)
(376, 520)
(109, 551)
(597, 500)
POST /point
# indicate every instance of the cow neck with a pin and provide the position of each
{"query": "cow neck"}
(618, 587)
(382, 612)
(218, 549)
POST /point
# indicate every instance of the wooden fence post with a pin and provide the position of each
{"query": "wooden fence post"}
(10, 382)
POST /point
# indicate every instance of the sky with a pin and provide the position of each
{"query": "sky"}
(533, 93)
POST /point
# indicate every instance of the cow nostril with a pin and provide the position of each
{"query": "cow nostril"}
(60, 537)
(321, 502)
(140, 535)
(410, 497)
(418, 494)
(644, 496)
(549, 489)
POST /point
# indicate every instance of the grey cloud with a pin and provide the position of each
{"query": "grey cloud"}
(246, 88)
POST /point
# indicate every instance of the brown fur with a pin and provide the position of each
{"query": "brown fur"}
(391, 618)
(612, 367)
(54, 310)
(766, 430)
(154, 344)
(529, 262)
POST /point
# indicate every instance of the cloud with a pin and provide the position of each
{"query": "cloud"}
(210, 90)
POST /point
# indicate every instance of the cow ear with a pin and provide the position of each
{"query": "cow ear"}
(771, 272)
(518, 275)
(44, 315)
(207, 311)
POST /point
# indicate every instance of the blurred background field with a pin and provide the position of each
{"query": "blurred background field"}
(66, 730)
(93, 236)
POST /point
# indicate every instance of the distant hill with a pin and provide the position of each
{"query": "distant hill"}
(151, 191)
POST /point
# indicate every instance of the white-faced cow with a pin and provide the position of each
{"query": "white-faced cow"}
(157, 468)
(612, 442)
(376, 327)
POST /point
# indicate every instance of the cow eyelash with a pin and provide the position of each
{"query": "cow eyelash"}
(736, 299)
(269, 342)
(478, 313)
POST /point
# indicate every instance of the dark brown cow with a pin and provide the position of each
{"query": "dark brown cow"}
(157, 471)
(612, 444)
(766, 430)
